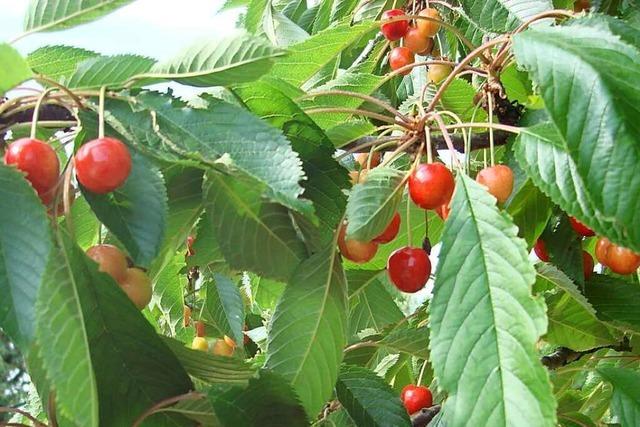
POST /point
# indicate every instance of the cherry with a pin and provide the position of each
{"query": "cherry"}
(587, 264)
(355, 250)
(391, 231)
(110, 260)
(581, 5)
(102, 165)
(443, 211)
(438, 72)
(415, 398)
(222, 348)
(394, 30)
(358, 176)
(186, 311)
(426, 27)
(416, 42)
(409, 268)
(190, 241)
(399, 57)
(37, 160)
(541, 251)
(363, 159)
(431, 185)
(200, 343)
(620, 260)
(499, 181)
(580, 228)
(201, 328)
(137, 285)
(49, 197)
(229, 341)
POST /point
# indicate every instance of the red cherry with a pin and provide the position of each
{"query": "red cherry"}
(190, 241)
(443, 211)
(355, 250)
(390, 232)
(399, 57)
(394, 30)
(499, 181)
(38, 160)
(587, 264)
(409, 268)
(417, 42)
(431, 185)
(415, 398)
(620, 260)
(201, 328)
(541, 251)
(580, 228)
(102, 165)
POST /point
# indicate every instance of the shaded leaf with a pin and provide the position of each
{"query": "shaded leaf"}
(625, 402)
(614, 300)
(15, 69)
(503, 15)
(224, 307)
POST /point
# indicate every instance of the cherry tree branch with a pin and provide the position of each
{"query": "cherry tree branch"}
(424, 416)
(563, 355)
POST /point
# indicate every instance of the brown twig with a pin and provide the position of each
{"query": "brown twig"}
(424, 416)
(563, 355)
(34, 420)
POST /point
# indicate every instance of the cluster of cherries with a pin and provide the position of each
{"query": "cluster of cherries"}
(102, 165)
(620, 260)
(416, 39)
(133, 281)
(219, 347)
(431, 187)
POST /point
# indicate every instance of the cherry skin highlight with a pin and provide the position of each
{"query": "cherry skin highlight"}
(37, 160)
(409, 269)
(415, 398)
(399, 57)
(499, 181)
(394, 30)
(355, 250)
(541, 251)
(580, 228)
(102, 165)
(110, 260)
(431, 185)
(391, 231)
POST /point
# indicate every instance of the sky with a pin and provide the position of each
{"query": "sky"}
(155, 28)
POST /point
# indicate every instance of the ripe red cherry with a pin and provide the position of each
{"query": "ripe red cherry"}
(409, 268)
(394, 30)
(355, 250)
(587, 265)
(431, 185)
(399, 57)
(620, 260)
(580, 228)
(499, 181)
(37, 159)
(102, 165)
(541, 251)
(415, 398)
(415, 41)
(391, 231)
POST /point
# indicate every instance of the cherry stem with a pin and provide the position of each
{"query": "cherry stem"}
(490, 104)
(34, 420)
(356, 111)
(167, 402)
(362, 96)
(447, 139)
(76, 99)
(497, 126)
(427, 63)
(103, 90)
(398, 150)
(467, 60)
(36, 112)
(427, 137)
(424, 365)
(379, 141)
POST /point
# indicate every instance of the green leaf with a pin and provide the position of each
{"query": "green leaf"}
(410, 340)
(86, 227)
(58, 62)
(224, 307)
(310, 56)
(15, 69)
(530, 210)
(210, 368)
(168, 289)
(266, 293)
(25, 245)
(564, 246)
(110, 71)
(253, 234)
(625, 403)
(135, 213)
(52, 15)
(268, 401)
(499, 16)
(207, 253)
(360, 279)
(614, 300)
(373, 307)
(368, 398)
(572, 320)
(482, 310)
(221, 134)
(373, 204)
(219, 62)
(129, 359)
(308, 330)
(583, 72)
(63, 339)
(346, 132)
